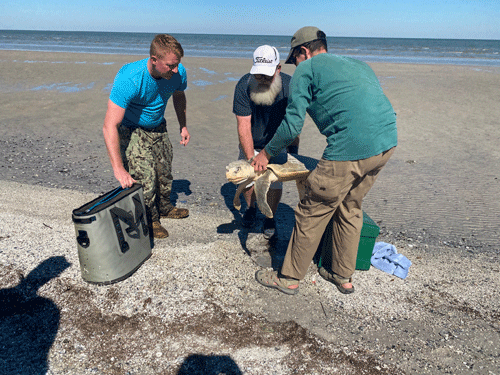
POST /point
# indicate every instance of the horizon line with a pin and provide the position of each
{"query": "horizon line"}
(280, 35)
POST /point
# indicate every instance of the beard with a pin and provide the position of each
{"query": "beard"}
(262, 94)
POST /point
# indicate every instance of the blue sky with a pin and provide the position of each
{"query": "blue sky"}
(457, 19)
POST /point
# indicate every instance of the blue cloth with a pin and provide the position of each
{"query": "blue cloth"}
(143, 97)
(386, 258)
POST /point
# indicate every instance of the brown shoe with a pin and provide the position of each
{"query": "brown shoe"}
(176, 213)
(159, 231)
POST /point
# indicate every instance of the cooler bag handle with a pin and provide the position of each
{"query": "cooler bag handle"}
(111, 195)
(133, 223)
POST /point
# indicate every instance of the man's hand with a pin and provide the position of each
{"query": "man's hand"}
(185, 137)
(124, 178)
(260, 161)
(179, 99)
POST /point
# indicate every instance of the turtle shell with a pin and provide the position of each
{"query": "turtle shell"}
(294, 168)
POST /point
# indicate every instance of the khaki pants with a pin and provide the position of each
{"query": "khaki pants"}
(334, 189)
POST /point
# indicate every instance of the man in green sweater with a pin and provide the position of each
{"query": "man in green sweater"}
(345, 100)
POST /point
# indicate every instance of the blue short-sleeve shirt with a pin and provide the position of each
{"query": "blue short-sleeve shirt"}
(143, 97)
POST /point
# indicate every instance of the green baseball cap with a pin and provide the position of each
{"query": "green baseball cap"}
(303, 35)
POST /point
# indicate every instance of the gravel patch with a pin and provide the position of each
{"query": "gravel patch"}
(194, 307)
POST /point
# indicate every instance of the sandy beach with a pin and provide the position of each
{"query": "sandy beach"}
(194, 307)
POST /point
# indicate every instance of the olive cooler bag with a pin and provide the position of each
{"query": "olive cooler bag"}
(112, 235)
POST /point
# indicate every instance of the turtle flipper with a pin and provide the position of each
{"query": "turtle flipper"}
(261, 188)
(239, 190)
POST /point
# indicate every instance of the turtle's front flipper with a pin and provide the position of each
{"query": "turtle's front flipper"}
(239, 190)
(261, 188)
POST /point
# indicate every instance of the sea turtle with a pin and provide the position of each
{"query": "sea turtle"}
(241, 173)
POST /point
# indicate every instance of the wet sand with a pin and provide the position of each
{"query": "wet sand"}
(441, 185)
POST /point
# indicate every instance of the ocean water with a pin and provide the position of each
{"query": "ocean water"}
(395, 50)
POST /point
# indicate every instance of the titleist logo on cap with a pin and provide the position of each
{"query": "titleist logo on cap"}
(265, 60)
(262, 60)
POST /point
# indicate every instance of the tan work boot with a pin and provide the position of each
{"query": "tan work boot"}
(176, 213)
(159, 231)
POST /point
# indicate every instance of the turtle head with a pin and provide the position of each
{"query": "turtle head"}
(239, 171)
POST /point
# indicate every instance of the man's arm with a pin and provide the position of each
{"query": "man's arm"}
(245, 135)
(113, 119)
(298, 102)
(180, 104)
(262, 158)
(293, 148)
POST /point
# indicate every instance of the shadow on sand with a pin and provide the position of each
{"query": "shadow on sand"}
(285, 220)
(199, 364)
(179, 186)
(28, 322)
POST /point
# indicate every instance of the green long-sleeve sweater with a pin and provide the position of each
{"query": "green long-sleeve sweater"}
(345, 100)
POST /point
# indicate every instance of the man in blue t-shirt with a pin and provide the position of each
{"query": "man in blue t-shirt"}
(260, 100)
(135, 130)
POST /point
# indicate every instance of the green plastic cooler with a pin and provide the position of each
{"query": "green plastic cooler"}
(369, 233)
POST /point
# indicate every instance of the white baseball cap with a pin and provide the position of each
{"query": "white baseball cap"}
(265, 60)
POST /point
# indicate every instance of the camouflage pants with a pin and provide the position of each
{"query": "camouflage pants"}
(147, 156)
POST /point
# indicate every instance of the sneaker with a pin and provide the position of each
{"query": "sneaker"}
(269, 228)
(176, 213)
(159, 231)
(249, 217)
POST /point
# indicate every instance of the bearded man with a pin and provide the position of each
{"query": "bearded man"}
(260, 100)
